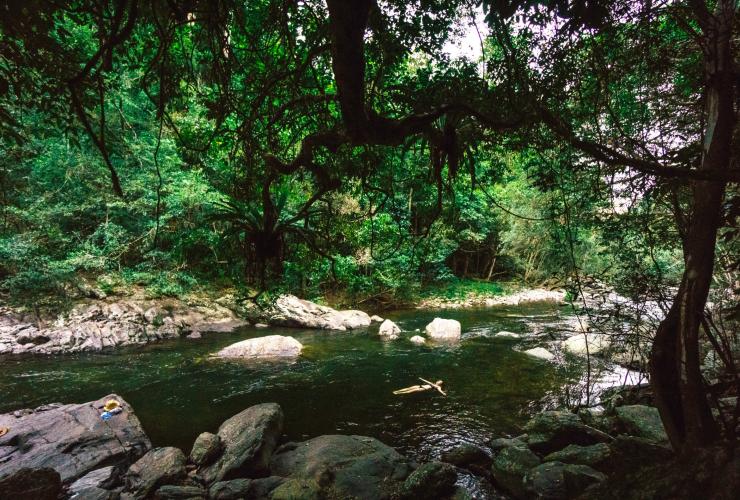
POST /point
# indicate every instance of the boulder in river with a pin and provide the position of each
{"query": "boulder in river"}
(72, 439)
(291, 311)
(158, 467)
(206, 448)
(376, 319)
(248, 438)
(430, 481)
(551, 431)
(595, 455)
(444, 329)
(540, 353)
(271, 346)
(510, 464)
(583, 343)
(559, 481)
(642, 421)
(345, 466)
(389, 330)
(507, 335)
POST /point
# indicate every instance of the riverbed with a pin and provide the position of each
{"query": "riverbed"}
(342, 384)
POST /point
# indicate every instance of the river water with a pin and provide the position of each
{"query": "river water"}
(343, 383)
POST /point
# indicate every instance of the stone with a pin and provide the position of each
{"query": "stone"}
(510, 465)
(503, 442)
(540, 353)
(174, 492)
(376, 319)
(249, 439)
(642, 421)
(71, 439)
(158, 467)
(230, 490)
(206, 448)
(559, 481)
(38, 484)
(261, 325)
(507, 335)
(551, 431)
(444, 329)
(102, 479)
(418, 340)
(596, 455)
(195, 335)
(297, 489)
(583, 343)
(346, 466)
(389, 330)
(466, 455)
(264, 486)
(291, 311)
(430, 481)
(271, 346)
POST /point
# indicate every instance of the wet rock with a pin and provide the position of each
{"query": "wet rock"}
(444, 329)
(418, 340)
(586, 343)
(559, 481)
(347, 466)
(642, 421)
(540, 353)
(89, 484)
(389, 330)
(289, 310)
(174, 492)
(376, 319)
(466, 455)
(297, 489)
(72, 439)
(508, 335)
(596, 455)
(206, 449)
(263, 487)
(249, 439)
(230, 490)
(158, 467)
(194, 336)
(39, 484)
(430, 481)
(551, 431)
(510, 465)
(632, 453)
(499, 444)
(271, 346)
(261, 325)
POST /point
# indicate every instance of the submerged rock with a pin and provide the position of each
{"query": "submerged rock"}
(344, 466)
(71, 439)
(291, 311)
(271, 346)
(418, 339)
(540, 353)
(249, 438)
(508, 335)
(389, 329)
(551, 431)
(444, 329)
(158, 467)
(586, 343)
(642, 421)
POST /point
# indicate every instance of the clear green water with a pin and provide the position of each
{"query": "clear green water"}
(342, 384)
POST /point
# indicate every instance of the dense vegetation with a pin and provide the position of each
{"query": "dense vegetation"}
(339, 150)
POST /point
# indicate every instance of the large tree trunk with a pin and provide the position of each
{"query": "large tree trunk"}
(675, 362)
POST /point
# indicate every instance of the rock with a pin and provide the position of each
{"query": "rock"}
(430, 481)
(263, 487)
(444, 329)
(629, 453)
(499, 444)
(194, 335)
(540, 353)
(510, 465)
(376, 319)
(508, 335)
(206, 448)
(550, 431)
(418, 340)
(389, 329)
(90, 483)
(297, 489)
(230, 490)
(173, 492)
(261, 325)
(594, 456)
(71, 439)
(580, 344)
(249, 438)
(347, 466)
(465, 455)
(37, 484)
(642, 421)
(291, 311)
(559, 481)
(271, 346)
(158, 467)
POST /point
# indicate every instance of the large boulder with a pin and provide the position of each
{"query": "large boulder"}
(559, 481)
(271, 346)
(551, 431)
(95, 484)
(430, 481)
(38, 484)
(344, 466)
(291, 311)
(596, 455)
(586, 343)
(444, 329)
(510, 465)
(206, 448)
(248, 438)
(158, 467)
(388, 329)
(72, 439)
(642, 421)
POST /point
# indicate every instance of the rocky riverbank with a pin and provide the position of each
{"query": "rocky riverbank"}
(512, 299)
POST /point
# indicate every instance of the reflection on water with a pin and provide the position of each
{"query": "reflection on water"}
(342, 384)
